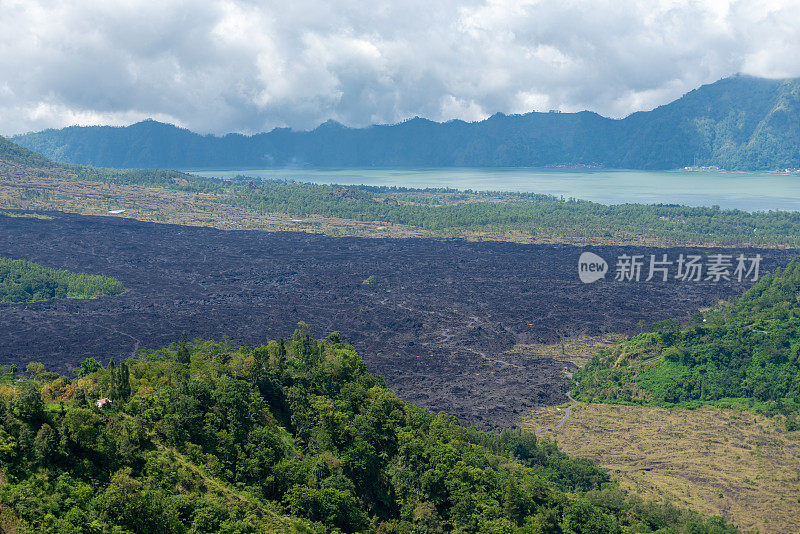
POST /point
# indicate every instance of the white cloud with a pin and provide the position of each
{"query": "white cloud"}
(242, 65)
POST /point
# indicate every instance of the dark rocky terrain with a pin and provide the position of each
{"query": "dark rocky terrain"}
(434, 324)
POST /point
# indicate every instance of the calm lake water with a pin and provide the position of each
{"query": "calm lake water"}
(745, 191)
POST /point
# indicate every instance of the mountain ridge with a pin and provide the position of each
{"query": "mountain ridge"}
(737, 123)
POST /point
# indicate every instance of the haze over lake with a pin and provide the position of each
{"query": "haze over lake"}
(750, 191)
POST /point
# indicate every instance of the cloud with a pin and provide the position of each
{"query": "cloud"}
(241, 65)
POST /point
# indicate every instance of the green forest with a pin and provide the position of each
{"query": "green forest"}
(746, 353)
(292, 436)
(530, 213)
(24, 281)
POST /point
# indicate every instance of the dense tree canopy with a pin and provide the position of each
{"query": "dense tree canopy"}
(291, 436)
(24, 281)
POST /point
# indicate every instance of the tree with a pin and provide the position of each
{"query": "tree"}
(183, 355)
(582, 517)
(124, 502)
(30, 406)
(7, 446)
(112, 375)
(34, 369)
(83, 429)
(89, 366)
(44, 444)
(281, 352)
(123, 382)
(329, 505)
(79, 398)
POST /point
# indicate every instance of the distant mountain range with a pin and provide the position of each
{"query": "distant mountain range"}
(740, 122)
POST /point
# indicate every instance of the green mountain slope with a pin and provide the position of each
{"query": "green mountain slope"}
(739, 122)
(17, 160)
(12, 153)
(745, 353)
(289, 437)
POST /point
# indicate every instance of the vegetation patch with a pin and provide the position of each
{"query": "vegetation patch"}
(24, 281)
(577, 350)
(746, 353)
(29, 215)
(705, 414)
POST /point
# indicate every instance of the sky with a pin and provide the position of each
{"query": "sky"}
(247, 66)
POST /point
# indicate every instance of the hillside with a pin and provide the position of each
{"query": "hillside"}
(740, 122)
(744, 354)
(18, 162)
(293, 436)
(14, 154)
(707, 414)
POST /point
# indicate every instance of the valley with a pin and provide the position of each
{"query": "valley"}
(436, 322)
(404, 268)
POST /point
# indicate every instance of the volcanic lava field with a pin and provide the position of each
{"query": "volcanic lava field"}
(435, 323)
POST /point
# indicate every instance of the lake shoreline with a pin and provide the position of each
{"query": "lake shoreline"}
(743, 190)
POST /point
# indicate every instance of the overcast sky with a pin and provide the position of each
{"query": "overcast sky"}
(247, 66)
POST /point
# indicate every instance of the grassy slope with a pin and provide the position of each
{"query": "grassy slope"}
(726, 462)
(738, 461)
(745, 353)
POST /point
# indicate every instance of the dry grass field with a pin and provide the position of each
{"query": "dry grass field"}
(65, 193)
(51, 191)
(576, 350)
(740, 465)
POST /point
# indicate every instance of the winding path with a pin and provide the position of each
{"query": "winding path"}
(483, 355)
(136, 345)
(567, 411)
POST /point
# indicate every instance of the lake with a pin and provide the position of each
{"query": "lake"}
(749, 191)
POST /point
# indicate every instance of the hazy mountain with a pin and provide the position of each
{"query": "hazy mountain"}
(739, 122)
(14, 154)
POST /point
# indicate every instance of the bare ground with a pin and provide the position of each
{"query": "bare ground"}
(436, 324)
